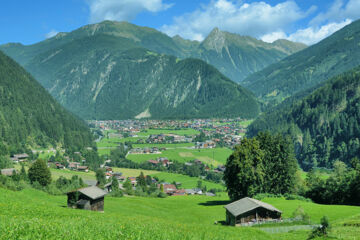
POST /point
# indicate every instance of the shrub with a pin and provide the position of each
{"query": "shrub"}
(39, 172)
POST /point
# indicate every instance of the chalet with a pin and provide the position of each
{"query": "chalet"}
(20, 157)
(73, 165)
(89, 198)
(180, 192)
(133, 181)
(59, 166)
(118, 176)
(153, 162)
(83, 168)
(169, 189)
(108, 175)
(8, 171)
(248, 210)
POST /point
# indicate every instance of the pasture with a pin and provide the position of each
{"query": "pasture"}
(213, 156)
(32, 214)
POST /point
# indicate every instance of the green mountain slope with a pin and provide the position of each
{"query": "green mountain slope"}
(306, 69)
(239, 56)
(109, 77)
(234, 55)
(325, 125)
(30, 116)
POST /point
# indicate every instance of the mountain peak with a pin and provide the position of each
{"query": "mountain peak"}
(215, 40)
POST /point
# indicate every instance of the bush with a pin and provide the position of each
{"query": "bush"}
(39, 172)
(117, 193)
(321, 231)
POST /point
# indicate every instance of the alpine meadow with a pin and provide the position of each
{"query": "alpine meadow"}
(170, 119)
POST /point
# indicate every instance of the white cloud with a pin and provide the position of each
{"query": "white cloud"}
(271, 37)
(338, 11)
(310, 35)
(254, 19)
(123, 10)
(51, 34)
(313, 35)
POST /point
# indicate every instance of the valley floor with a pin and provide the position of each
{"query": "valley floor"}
(32, 214)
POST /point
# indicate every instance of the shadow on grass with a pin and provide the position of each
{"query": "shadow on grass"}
(215, 203)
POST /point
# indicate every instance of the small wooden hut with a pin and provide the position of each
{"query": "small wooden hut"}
(248, 210)
(89, 198)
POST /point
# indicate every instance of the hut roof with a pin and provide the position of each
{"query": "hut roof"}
(7, 171)
(92, 192)
(247, 204)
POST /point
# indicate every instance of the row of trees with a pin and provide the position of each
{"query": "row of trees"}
(263, 164)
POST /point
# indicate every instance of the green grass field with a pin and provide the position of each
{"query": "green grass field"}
(186, 181)
(214, 156)
(31, 214)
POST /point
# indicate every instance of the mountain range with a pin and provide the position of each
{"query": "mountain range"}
(308, 69)
(234, 55)
(117, 70)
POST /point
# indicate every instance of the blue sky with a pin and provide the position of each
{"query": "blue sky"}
(306, 21)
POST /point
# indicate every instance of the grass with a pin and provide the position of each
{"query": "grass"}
(56, 173)
(31, 214)
(322, 175)
(186, 181)
(214, 156)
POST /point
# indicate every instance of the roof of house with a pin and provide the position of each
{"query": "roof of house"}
(90, 182)
(92, 192)
(247, 204)
(7, 171)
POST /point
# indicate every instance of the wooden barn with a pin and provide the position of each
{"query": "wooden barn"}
(89, 198)
(248, 210)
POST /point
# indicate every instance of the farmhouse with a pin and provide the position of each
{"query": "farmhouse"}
(89, 198)
(8, 171)
(247, 210)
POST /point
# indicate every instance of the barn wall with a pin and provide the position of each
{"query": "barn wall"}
(98, 204)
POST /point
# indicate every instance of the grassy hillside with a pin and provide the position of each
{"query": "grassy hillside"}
(29, 116)
(325, 125)
(36, 215)
(99, 77)
(306, 69)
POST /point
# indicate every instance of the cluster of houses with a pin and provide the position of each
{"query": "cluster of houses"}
(160, 161)
(206, 144)
(146, 150)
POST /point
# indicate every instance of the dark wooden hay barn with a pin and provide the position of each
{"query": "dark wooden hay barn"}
(89, 198)
(248, 210)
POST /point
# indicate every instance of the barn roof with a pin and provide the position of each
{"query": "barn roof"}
(247, 204)
(92, 192)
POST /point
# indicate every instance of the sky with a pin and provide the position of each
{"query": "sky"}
(306, 21)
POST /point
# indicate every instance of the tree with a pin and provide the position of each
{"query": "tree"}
(141, 181)
(244, 173)
(23, 175)
(5, 162)
(280, 164)
(264, 163)
(100, 176)
(115, 184)
(39, 172)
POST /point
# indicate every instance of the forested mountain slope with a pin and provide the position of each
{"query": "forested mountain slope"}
(234, 55)
(334, 55)
(325, 125)
(109, 77)
(30, 116)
